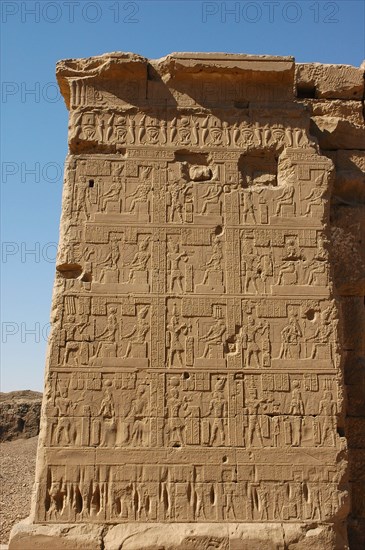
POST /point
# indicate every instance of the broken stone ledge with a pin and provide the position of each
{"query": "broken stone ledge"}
(179, 536)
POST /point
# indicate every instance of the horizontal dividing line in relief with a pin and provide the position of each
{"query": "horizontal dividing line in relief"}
(218, 297)
(160, 370)
(161, 522)
(173, 225)
(189, 450)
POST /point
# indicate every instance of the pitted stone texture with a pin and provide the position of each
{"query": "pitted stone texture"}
(194, 377)
(330, 81)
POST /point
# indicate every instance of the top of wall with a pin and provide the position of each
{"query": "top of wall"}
(206, 78)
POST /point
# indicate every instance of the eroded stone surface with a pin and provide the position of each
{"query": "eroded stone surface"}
(330, 81)
(26, 536)
(195, 370)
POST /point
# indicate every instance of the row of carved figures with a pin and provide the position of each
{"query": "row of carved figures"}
(186, 203)
(189, 501)
(252, 342)
(190, 130)
(258, 270)
(187, 422)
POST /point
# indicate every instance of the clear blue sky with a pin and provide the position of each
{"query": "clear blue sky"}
(35, 34)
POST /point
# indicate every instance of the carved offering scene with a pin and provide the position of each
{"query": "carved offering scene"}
(195, 386)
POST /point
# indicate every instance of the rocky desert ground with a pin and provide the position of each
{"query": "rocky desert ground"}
(19, 426)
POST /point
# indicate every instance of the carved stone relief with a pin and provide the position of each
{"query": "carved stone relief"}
(194, 371)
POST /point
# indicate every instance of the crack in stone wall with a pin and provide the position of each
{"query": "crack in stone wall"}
(206, 313)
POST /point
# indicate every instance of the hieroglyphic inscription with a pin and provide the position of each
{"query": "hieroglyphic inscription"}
(194, 372)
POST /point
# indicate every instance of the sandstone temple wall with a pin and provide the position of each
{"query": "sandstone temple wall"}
(205, 374)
